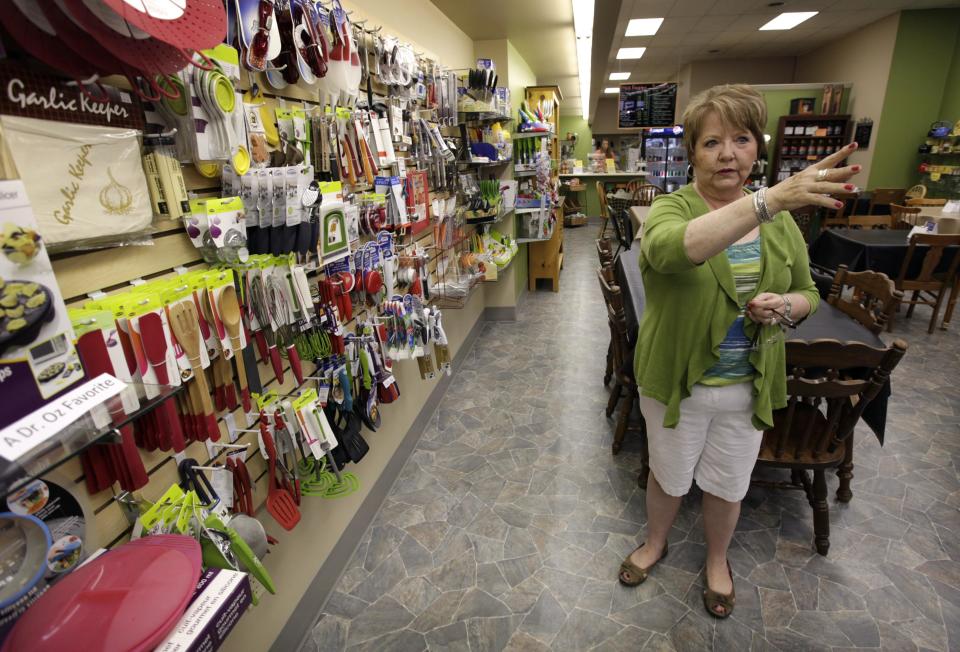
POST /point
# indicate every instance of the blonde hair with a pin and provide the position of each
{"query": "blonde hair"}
(737, 105)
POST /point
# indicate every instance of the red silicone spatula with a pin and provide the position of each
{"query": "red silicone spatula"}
(154, 341)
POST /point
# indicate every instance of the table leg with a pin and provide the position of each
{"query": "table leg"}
(845, 473)
(951, 303)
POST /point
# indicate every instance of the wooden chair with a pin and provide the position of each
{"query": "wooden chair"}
(918, 191)
(870, 221)
(611, 296)
(928, 287)
(839, 217)
(605, 251)
(625, 386)
(923, 201)
(885, 197)
(872, 299)
(903, 217)
(824, 404)
(604, 210)
(643, 193)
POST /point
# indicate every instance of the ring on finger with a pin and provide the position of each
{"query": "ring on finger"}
(821, 175)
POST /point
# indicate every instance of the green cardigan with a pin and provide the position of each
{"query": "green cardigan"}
(689, 307)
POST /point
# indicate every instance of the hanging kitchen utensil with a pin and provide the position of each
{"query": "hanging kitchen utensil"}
(126, 599)
(189, 24)
(281, 505)
(230, 315)
(185, 325)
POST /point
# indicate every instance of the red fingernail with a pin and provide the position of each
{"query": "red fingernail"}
(857, 168)
(838, 204)
(849, 186)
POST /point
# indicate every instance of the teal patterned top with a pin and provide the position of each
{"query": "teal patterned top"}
(734, 363)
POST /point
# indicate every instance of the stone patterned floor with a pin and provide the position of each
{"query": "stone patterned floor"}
(507, 525)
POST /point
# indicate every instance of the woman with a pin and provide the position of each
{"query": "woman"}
(606, 150)
(719, 264)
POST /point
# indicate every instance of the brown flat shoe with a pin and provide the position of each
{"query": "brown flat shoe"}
(712, 599)
(632, 575)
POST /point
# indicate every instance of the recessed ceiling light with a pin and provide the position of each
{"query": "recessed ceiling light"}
(643, 26)
(712, 51)
(775, 4)
(619, 76)
(611, 89)
(630, 53)
(789, 20)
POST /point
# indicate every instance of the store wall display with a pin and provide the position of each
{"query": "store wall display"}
(37, 355)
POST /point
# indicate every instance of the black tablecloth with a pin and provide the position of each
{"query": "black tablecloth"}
(826, 322)
(879, 250)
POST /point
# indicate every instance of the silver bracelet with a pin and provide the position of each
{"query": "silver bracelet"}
(760, 207)
(787, 307)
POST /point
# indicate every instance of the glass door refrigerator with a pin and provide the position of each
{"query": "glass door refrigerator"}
(665, 157)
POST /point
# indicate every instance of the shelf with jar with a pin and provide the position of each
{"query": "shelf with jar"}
(802, 140)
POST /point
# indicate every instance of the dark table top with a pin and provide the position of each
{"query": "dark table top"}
(826, 322)
(879, 250)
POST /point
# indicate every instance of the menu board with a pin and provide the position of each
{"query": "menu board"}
(647, 105)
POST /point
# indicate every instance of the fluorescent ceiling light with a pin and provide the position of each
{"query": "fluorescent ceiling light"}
(619, 76)
(583, 18)
(611, 89)
(583, 33)
(630, 53)
(643, 26)
(789, 20)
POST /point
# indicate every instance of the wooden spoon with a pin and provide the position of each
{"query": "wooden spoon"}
(230, 316)
(186, 327)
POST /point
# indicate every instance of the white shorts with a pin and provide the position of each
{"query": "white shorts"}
(714, 443)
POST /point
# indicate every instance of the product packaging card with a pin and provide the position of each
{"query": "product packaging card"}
(37, 358)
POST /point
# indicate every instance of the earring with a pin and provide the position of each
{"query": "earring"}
(757, 166)
(690, 171)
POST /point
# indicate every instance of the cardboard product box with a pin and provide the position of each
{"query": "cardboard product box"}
(221, 598)
(38, 360)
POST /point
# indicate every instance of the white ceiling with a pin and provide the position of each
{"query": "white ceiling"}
(542, 32)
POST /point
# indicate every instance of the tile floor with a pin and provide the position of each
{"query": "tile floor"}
(507, 525)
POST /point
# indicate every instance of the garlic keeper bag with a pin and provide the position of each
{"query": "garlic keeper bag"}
(85, 182)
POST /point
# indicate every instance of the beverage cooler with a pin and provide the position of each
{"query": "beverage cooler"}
(665, 157)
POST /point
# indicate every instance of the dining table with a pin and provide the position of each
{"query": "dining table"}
(827, 322)
(878, 250)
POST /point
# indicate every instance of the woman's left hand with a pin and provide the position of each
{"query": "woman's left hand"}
(761, 308)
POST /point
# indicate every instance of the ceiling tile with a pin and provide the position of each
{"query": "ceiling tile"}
(691, 7)
(674, 25)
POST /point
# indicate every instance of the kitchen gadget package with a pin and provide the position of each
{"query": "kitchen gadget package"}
(37, 358)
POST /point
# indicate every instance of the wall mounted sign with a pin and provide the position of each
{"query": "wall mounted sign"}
(861, 135)
(647, 105)
(33, 95)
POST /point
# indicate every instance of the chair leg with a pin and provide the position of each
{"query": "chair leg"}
(954, 290)
(821, 513)
(913, 303)
(625, 409)
(614, 398)
(936, 310)
(603, 226)
(609, 372)
(845, 473)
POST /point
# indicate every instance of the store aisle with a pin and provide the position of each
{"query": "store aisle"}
(508, 523)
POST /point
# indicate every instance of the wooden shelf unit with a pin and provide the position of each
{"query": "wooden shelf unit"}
(546, 257)
(839, 128)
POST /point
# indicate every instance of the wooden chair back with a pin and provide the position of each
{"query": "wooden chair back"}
(872, 299)
(870, 221)
(923, 201)
(903, 217)
(824, 403)
(616, 318)
(918, 191)
(840, 216)
(602, 197)
(928, 280)
(608, 286)
(885, 197)
(605, 251)
(643, 193)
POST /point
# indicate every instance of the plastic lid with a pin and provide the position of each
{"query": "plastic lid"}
(127, 599)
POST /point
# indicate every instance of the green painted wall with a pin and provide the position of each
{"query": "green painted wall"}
(950, 106)
(922, 61)
(579, 126)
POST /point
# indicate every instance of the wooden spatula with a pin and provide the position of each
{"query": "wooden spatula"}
(230, 315)
(186, 328)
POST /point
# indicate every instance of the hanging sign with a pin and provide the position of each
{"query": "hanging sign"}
(647, 105)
